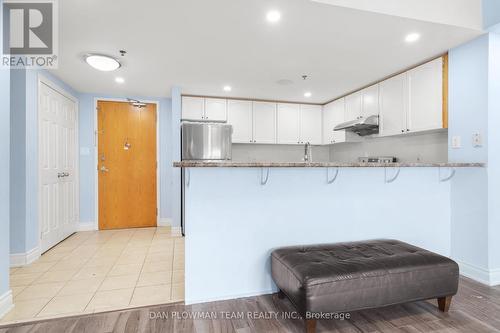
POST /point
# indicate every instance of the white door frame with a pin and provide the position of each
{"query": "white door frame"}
(42, 79)
(96, 154)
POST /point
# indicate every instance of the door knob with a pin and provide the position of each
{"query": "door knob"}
(104, 169)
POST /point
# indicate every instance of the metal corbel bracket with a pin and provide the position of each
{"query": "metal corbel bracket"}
(331, 180)
(450, 176)
(264, 179)
(394, 176)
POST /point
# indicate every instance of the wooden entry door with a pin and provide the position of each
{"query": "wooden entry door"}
(126, 165)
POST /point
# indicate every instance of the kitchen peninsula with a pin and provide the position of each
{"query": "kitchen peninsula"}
(237, 213)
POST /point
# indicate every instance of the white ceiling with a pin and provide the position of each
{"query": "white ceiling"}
(203, 45)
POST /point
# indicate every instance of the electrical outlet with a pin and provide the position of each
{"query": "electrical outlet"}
(477, 140)
(456, 142)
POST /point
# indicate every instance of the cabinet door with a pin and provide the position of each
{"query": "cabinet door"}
(353, 105)
(310, 124)
(333, 114)
(264, 122)
(239, 115)
(288, 125)
(215, 109)
(193, 108)
(393, 105)
(425, 104)
(370, 102)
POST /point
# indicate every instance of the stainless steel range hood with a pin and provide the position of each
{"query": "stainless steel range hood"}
(362, 126)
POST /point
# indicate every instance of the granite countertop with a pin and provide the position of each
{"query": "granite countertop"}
(230, 164)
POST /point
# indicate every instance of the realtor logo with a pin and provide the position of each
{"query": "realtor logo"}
(29, 34)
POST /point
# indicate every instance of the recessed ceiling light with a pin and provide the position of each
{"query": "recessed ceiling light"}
(307, 94)
(102, 62)
(227, 88)
(413, 37)
(119, 80)
(273, 16)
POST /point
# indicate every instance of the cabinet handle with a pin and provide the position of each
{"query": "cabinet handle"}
(402, 131)
(407, 129)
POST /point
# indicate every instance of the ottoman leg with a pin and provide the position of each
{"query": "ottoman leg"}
(444, 303)
(310, 325)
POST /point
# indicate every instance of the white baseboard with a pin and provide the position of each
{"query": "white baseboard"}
(164, 222)
(6, 303)
(23, 259)
(479, 274)
(86, 226)
(227, 297)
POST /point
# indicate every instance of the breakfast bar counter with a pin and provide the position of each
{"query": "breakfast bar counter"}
(236, 213)
(231, 164)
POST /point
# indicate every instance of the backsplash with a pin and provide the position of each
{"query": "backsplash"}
(277, 153)
(429, 147)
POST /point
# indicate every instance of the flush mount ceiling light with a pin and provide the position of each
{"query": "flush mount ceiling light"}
(119, 80)
(307, 94)
(102, 62)
(273, 16)
(413, 37)
(227, 88)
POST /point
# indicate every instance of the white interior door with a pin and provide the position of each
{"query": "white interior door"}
(57, 158)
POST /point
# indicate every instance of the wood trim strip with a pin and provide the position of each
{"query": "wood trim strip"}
(445, 91)
(253, 99)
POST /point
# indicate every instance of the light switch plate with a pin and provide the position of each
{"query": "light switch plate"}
(456, 142)
(477, 140)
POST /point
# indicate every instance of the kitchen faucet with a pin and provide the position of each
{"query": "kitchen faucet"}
(307, 152)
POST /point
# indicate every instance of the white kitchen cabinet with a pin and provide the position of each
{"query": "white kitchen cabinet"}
(240, 116)
(393, 105)
(353, 106)
(370, 101)
(264, 122)
(193, 108)
(288, 123)
(215, 109)
(311, 124)
(333, 114)
(425, 100)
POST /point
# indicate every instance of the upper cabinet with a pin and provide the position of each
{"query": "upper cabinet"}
(311, 124)
(393, 105)
(215, 109)
(333, 114)
(193, 108)
(239, 114)
(288, 123)
(370, 101)
(199, 109)
(425, 100)
(413, 101)
(264, 122)
(353, 106)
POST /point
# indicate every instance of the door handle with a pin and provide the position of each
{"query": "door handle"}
(104, 169)
(60, 174)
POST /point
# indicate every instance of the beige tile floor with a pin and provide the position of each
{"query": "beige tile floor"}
(100, 271)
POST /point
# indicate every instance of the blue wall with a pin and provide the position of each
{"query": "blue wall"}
(491, 13)
(230, 236)
(88, 162)
(474, 85)
(4, 175)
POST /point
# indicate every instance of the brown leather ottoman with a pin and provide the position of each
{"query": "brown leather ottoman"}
(343, 277)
